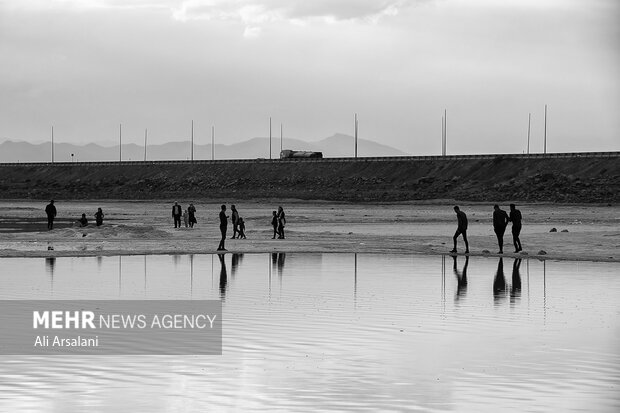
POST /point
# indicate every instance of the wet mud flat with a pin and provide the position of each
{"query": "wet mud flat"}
(583, 232)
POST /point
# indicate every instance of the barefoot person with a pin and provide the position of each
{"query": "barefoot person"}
(50, 210)
(500, 221)
(223, 227)
(515, 218)
(460, 229)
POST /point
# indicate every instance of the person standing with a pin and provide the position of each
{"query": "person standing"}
(99, 217)
(281, 222)
(185, 218)
(274, 224)
(176, 215)
(223, 227)
(50, 210)
(461, 228)
(235, 221)
(241, 228)
(500, 221)
(515, 218)
(191, 210)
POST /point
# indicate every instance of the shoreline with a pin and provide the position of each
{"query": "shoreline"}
(584, 232)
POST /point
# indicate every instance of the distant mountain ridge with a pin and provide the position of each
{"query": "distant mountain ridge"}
(338, 145)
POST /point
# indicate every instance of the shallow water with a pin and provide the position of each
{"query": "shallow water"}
(308, 332)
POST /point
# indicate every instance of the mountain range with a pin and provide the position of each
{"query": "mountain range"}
(338, 145)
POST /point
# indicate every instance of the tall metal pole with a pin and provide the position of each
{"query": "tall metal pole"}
(145, 136)
(269, 137)
(120, 142)
(355, 129)
(192, 140)
(545, 144)
(52, 144)
(442, 136)
(281, 137)
(529, 122)
(213, 142)
(445, 132)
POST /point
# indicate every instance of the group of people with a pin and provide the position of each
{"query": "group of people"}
(500, 222)
(278, 222)
(51, 212)
(188, 215)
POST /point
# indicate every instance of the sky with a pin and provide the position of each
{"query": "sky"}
(86, 66)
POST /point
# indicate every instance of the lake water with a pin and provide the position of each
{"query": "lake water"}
(338, 332)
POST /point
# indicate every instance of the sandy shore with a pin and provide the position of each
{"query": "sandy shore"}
(146, 227)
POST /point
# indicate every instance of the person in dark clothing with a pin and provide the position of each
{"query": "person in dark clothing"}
(500, 221)
(281, 222)
(235, 221)
(515, 218)
(50, 210)
(83, 221)
(460, 229)
(191, 211)
(177, 213)
(241, 228)
(274, 224)
(99, 217)
(223, 227)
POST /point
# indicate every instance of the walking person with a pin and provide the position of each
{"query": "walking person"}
(515, 218)
(235, 221)
(281, 222)
(223, 227)
(500, 221)
(191, 210)
(99, 217)
(185, 218)
(176, 215)
(241, 228)
(50, 210)
(274, 224)
(460, 229)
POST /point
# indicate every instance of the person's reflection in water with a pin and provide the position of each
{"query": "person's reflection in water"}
(50, 264)
(499, 284)
(281, 258)
(223, 277)
(235, 261)
(461, 278)
(515, 287)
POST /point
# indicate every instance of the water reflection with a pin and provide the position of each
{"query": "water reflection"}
(499, 283)
(223, 277)
(515, 287)
(461, 278)
(355, 331)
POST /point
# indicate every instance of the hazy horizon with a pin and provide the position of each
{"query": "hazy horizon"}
(84, 67)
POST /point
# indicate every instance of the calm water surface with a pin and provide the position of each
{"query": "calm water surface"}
(313, 332)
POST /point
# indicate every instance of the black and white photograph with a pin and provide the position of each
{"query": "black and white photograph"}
(309, 206)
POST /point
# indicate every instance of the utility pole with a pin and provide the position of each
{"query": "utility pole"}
(192, 153)
(545, 143)
(529, 123)
(442, 136)
(52, 144)
(445, 132)
(355, 133)
(281, 137)
(120, 142)
(145, 136)
(269, 137)
(212, 142)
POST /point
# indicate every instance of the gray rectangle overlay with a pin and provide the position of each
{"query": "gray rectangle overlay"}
(111, 327)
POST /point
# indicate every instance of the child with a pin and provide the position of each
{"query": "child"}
(241, 228)
(185, 218)
(83, 221)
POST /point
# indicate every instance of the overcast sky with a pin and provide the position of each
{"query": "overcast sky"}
(85, 66)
